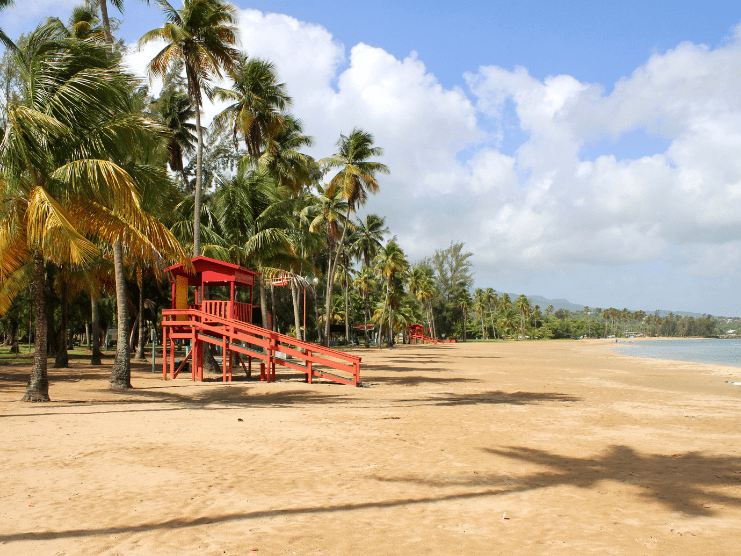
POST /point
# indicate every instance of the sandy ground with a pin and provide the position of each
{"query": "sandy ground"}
(497, 448)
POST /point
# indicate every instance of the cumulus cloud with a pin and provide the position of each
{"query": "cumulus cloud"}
(543, 206)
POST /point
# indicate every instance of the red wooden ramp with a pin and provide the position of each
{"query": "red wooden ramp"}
(416, 332)
(250, 341)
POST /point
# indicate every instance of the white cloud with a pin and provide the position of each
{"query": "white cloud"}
(541, 207)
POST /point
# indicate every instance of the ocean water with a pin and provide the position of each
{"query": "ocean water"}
(718, 352)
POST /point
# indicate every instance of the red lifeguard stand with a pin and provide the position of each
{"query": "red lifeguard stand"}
(228, 324)
(416, 333)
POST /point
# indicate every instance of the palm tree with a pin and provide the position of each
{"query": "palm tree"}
(523, 306)
(56, 154)
(325, 212)
(355, 179)
(479, 298)
(283, 161)
(368, 237)
(389, 263)
(492, 299)
(549, 310)
(3, 37)
(201, 35)
(464, 303)
(174, 110)
(364, 281)
(254, 226)
(258, 101)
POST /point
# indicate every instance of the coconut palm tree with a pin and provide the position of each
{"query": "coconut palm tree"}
(3, 37)
(354, 180)
(523, 306)
(201, 35)
(284, 162)
(256, 114)
(367, 241)
(390, 263)
(479, 299)
(324, 213)
(364, 281)
(174, 110)
(492, 299)
(56, 154)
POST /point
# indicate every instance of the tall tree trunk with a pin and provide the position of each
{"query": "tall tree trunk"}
(121, 371)
(95, 325)
(61, 361)
(199, 185)
(330, 276)
(347, 322)
(264, 305)
(432, 319)
(106, 22)
(391, 326)
(37, 387)
(296, 297)
(139, 320)
(273, 324)
(316, 319)
(328, 299)
(380, 321)
(365, 322)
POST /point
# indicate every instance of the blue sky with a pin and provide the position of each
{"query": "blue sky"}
(582, 150)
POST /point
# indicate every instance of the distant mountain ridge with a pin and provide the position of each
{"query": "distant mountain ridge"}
(543, 302)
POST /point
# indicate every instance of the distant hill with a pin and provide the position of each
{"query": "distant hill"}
(543, 302)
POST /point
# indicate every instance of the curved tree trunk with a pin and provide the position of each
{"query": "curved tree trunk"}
(37, 387)
(95, 325)
(61, 361)
(121, 372)
(296, 297)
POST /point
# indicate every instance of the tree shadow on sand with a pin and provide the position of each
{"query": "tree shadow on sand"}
(688, 483)
(496, 397)
(679, 482)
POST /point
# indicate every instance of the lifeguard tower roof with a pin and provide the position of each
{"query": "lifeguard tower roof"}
(211, 271)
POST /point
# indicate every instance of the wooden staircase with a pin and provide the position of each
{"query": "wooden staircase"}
(208, 324)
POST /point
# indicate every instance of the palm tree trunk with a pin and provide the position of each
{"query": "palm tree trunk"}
(139, 321)
(106, 22)
(296, 297)
(432, 320)
(37, 387)
(330, 276)
(273, 323)
(199, 183)
(391, 327)
(61, 361)
(95, 325)
(121, 371)
(365, 315)
(347, 322)
(380, 321)
(263, 304)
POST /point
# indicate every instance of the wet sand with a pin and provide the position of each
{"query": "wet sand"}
(479, 448)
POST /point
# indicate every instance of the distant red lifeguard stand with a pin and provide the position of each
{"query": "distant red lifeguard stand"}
(228, 324)
(416, 333)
